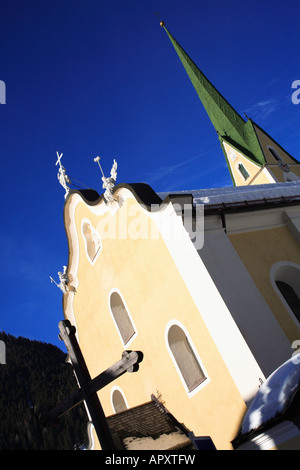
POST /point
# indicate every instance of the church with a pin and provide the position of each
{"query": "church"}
(206, 284)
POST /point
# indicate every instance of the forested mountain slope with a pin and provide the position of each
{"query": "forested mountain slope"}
(34, 378)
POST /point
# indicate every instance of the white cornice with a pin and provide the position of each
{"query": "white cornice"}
(254, 220)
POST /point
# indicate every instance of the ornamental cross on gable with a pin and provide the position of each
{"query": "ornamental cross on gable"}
(59, 157)
(62, 175)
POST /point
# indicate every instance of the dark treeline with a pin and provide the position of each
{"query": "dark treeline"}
(35, 378)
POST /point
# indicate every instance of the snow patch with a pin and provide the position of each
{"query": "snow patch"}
(164, 442)
(274, 395)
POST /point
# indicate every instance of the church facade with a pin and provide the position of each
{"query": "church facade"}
(205, 283)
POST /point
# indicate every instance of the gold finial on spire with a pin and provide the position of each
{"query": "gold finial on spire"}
(162, 23)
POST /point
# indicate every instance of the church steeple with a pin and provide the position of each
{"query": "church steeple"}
(239, 138)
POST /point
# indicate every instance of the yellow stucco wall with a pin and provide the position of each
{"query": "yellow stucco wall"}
(259, 251)
(155, 294)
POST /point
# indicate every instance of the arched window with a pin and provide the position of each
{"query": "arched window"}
(121, 317)
(185, 358)
(274, 153)
(243, 171)
(118, 401)
(285, 277)
(290, 297)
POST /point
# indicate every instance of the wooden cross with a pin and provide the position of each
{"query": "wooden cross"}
(89, 387)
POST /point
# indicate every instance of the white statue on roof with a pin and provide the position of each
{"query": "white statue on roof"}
(62, 175)
(108, 183)
(64, 280)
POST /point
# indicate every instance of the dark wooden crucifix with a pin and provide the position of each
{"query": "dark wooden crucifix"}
(88, 386)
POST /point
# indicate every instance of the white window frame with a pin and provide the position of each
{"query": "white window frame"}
(206, 381)
(129, 315)
(116, 388)
(273, 279)
(240, 173)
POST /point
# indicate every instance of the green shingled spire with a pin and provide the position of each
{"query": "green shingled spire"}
(230, 126)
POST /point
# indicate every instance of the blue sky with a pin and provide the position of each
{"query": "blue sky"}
(100, 77)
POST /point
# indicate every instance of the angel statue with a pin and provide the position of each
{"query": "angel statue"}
(64, 280)
(108, 183)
